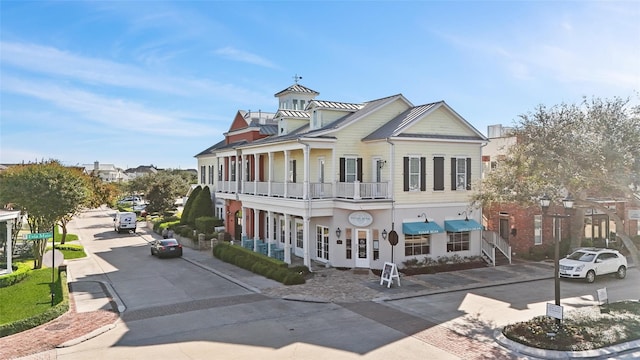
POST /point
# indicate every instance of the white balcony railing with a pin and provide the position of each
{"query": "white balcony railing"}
(362, 190)
(344, 190)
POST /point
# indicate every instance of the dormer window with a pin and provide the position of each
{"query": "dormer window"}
(295, 104)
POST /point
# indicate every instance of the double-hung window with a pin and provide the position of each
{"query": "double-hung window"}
(350, 170)
(460, 173)
(415, 173)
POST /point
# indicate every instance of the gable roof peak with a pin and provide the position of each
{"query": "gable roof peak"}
(297, 88)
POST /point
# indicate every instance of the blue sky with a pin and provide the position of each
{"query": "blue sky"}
(145, 82)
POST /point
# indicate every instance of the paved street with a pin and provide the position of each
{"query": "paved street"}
(200, 308)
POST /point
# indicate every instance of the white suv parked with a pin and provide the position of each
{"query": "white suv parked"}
(586, 263)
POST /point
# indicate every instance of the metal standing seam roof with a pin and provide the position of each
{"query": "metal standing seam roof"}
(301, 114)
(364, 109)
(222, 145)
(396, 124)
(400, 122)
(335, 105)
(297, 88)
(271, 129)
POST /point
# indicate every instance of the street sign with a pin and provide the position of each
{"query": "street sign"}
(37, 236)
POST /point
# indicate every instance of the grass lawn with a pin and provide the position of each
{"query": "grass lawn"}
(31, 296)
(586, 328)
(70, 251)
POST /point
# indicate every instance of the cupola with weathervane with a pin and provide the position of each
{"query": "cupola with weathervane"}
(292, 102)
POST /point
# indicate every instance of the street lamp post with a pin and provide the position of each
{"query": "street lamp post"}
(567, 202)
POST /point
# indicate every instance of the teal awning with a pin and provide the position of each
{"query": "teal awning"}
(461, 225)
(421, 228)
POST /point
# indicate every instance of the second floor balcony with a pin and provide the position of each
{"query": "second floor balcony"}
(342, 190)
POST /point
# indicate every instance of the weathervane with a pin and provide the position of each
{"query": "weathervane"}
(296, 78)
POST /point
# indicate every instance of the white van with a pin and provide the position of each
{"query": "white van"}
(124, 221)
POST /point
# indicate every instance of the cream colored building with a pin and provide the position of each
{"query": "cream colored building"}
(339, 180)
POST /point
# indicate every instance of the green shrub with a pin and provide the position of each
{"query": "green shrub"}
(168, 225)
(257, 263)
(293, 279)
(71, 251)
(184, 219)
(184, 230)
(205, 224)
(20, 272)
(202, 206)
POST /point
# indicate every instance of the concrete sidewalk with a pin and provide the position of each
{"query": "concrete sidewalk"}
(95, 306)
(333, 285)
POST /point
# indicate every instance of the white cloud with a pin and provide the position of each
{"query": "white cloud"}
(591, 47)
(243, 56)
(113, 114)
(53, 62)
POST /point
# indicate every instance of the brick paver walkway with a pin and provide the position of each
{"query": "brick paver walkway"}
(39, 340)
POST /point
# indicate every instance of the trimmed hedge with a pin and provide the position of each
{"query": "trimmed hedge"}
(20, 272)
(70, 247)
(37, 320)
(201, 206)
(257, 263)
(205, 224)
(184, 218)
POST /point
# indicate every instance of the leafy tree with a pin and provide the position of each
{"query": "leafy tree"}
(202, 206)
(590, 150)
(102, 192)
(184, 219)
(162, 189)
(47, 192)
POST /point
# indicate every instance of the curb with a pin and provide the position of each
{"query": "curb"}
(114, 296)
(460, 288)
(225, 276)
(88, 336)
(609, 352)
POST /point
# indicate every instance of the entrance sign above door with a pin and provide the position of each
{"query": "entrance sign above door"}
(360, 218)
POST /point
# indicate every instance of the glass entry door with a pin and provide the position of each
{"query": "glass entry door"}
(298, 240)
(362, 248)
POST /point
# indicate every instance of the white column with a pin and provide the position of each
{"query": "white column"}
(334, 175)
(270, 172)
(286, 172)
(305, 190)
(9, 247)
(256, 174)
(269, 231)
(228, 175)
(244, 220)
(305, 242)
(239, 162)
(256, 228)
(287, 238)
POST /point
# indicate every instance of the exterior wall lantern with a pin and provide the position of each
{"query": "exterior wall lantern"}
(338, 232)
